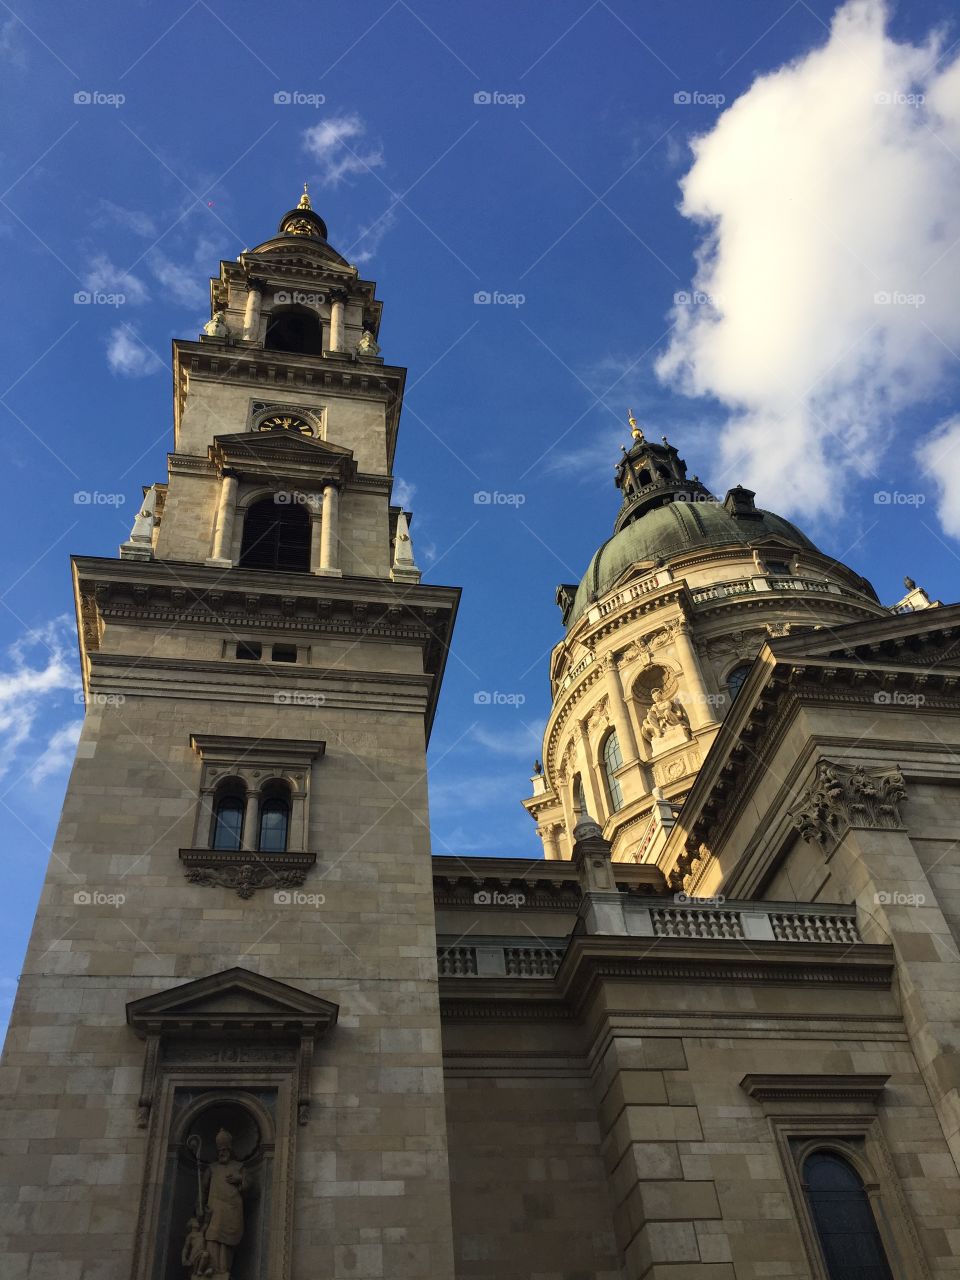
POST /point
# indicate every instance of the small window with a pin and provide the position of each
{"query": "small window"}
(778, 568)
(284, 653)
(248, 652)
(736, 678)
(274, 819)
(612, 760)
(228, 820)
(844, 1221)
(579, 799)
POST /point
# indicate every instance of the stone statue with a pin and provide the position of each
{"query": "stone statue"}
(195, 1256)
(139, 546)
(663, 714)
(368, 345)
(216, 326)
(223, 1188)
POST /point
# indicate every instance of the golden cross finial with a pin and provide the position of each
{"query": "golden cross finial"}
(634, 429)
(304, 199)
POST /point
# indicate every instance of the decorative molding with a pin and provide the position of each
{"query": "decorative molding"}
(843, 796)
(244, 871)
(814, 1088)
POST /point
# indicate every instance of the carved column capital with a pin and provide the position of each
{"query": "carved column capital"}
(843, 795)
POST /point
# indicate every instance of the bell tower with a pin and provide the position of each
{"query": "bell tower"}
(225, 1045)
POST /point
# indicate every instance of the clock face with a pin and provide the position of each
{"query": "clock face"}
(286, 422)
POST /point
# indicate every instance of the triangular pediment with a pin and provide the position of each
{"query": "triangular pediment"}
(270, 449)
(235, 1000)
(293, 251)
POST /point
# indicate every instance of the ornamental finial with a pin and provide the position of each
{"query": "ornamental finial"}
(634, 429)
(304, 199)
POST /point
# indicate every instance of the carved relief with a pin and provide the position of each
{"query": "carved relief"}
(844, 796)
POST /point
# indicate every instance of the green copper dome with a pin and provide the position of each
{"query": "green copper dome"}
(678, 527)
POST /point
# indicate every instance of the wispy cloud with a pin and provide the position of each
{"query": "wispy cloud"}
(37, 666)
(141, 224)
(104, 276)
(521, 743)
(403, 492)
(369, 239)
(340, 146)
(128, 357)
(59, 752)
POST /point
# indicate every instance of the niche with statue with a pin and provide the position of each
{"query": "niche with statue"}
(660, 714)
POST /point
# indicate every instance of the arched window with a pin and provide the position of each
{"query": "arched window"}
(736, 678)
(841, 1212)
(276, 535)
(295, 329)
(644, 477)
(579, 799)
(612, 760)
(228, 817)
(274, 818)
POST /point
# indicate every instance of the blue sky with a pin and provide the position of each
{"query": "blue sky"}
(561, 194)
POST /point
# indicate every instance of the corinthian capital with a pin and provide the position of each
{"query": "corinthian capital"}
(843, 795)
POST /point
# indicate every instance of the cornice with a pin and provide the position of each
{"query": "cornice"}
(193, 464)
(814, 1088)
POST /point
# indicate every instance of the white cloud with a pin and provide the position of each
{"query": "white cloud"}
(59, 753)
(142, 224)
(403, 492)
(104, 277)
(826, 186)
(340, 147)
(523, 743)
(38, 665)
(939, 458)
(127, 356)
(181, 284)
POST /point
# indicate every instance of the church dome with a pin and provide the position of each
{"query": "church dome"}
(676, 528)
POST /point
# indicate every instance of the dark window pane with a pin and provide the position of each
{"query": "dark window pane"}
(736, 678)
(273, 826)
(228, 823)
(612, 760)
(844, 1220)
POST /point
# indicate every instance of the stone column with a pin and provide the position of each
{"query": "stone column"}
(251, 823)
(336, 322)
(251, 316)
(618, 710)
(226, 513)
(563, 784)
(699, 711)
(297, 834)
(330, 533)
(316, 526)
(551, 847)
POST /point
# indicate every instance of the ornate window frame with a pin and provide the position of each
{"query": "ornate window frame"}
(255, 762)
(839, 1113)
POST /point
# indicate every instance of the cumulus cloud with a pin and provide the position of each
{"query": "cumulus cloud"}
(825, 296)
(36, 667)
(340, 146)
(939, 458)
(127, 356)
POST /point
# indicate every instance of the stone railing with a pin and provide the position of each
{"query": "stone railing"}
(506, 959)
(635, 591)
(747, 922)
(746, 586)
